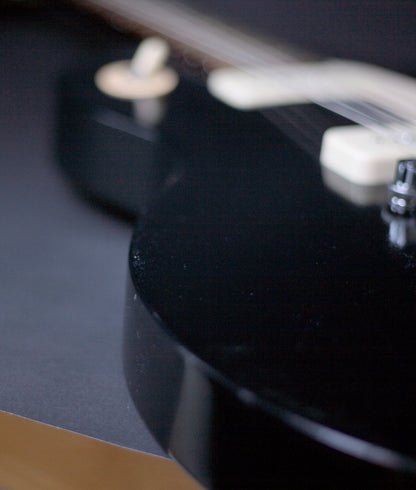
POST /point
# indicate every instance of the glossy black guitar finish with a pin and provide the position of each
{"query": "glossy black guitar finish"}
(270, 328)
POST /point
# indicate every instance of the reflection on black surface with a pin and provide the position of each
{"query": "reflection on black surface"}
(402, 229)
(360, 195)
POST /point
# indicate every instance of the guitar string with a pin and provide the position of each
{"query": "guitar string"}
(378, 119)
(234, 48)
(359, 111)
(303, 128)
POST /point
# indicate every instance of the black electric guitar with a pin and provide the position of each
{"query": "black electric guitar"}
(270, 323)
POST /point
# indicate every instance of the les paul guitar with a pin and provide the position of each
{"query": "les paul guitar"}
(270, 322)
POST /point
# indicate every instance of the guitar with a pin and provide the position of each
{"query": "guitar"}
(269, 323)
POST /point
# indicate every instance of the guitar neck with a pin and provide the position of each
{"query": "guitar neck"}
(206, 40)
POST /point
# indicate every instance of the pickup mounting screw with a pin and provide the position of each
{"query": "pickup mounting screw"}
(403, 190)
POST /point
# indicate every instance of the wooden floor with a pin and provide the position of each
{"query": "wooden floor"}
(38, 456)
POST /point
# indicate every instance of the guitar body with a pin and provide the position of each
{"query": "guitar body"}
(269, 332)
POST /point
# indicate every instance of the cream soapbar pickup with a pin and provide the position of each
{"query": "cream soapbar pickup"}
(381, 102)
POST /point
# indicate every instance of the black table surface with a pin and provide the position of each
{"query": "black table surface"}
(63, 261)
